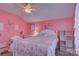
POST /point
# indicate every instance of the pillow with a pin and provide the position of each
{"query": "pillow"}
(41, 34)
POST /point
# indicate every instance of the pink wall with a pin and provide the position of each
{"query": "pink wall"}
(9, 20)
(57, 24)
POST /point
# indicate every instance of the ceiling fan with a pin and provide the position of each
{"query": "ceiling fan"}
(28, 8)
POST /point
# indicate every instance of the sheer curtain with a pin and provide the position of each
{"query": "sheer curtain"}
(76, 26)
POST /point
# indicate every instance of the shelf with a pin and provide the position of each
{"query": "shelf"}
(69, 50)
(62, 48)
(66, 40)
(69, 35)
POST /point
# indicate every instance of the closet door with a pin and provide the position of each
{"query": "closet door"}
(76, 26)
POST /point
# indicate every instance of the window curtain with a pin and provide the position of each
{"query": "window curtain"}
(76, 26)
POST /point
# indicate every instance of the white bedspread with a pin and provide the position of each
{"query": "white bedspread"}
(35, 46)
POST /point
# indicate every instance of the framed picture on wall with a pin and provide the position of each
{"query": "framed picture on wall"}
(45, 27)
(32, 27)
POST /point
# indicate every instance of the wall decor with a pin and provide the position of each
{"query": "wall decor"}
(33, 27)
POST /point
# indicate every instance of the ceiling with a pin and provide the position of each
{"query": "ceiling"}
(43, 11)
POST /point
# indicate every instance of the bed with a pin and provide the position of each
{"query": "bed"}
(44, 44)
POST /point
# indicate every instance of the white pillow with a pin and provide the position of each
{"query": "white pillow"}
(47, 33)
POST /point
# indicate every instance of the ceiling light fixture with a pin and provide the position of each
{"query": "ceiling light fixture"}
(28, 8)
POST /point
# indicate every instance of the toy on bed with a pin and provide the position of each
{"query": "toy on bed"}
(41, 45)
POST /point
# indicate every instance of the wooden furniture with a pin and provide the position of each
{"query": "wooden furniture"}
(67, 41)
